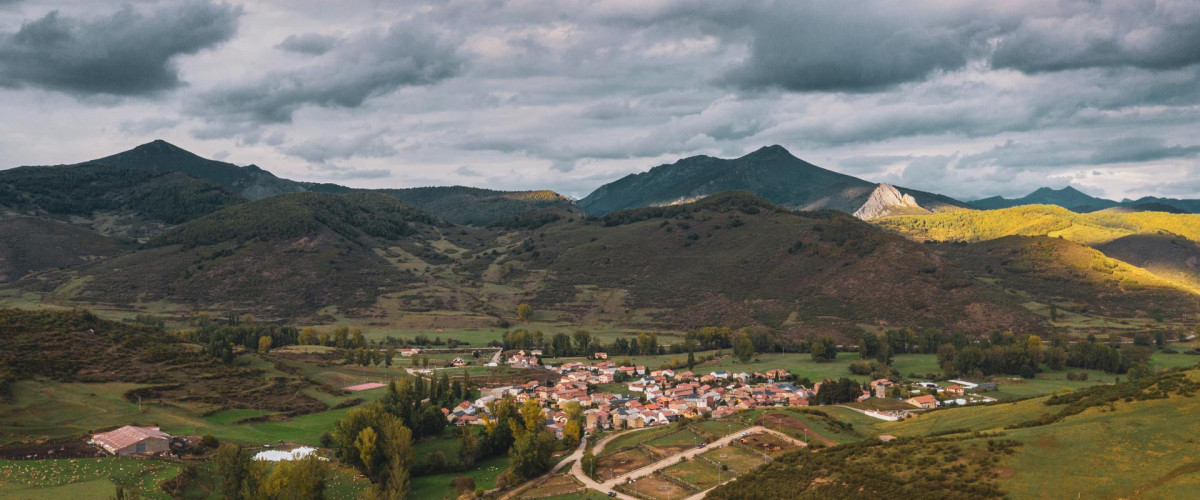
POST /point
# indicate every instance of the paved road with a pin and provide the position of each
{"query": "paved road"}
(607, 486)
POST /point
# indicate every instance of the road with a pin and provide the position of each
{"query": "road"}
(607, 486)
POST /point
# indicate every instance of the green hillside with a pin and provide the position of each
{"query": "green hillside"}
(1050, 270)
(29, 244)
(159, 157)
(1130, 440)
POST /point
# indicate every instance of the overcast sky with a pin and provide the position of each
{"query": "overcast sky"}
(966, 98)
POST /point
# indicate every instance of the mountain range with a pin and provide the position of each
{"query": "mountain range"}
(762, 240)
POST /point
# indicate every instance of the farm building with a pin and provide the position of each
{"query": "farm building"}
(924, 402)
(130, 440)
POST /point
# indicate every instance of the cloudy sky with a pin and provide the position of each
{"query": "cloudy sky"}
(965, 98)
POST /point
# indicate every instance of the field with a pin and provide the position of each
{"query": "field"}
(656, 487)
(438, 486)
(674, 442)
(720, 428)
(802, 425)
(764, 443)
(632, 439)
(616, 464)
(561, 485)
(83, 478)
(739, 460)
(699, 474)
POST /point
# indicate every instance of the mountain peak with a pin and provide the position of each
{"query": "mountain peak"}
(772, 151)
(886, 200)
(161, 147)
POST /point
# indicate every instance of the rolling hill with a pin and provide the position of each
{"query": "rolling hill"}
(771, 173)
(114, 201)
(287, 255)
(734, 258)
(1134, 439)
(31, 244)
(1041, 220)
(468, 205)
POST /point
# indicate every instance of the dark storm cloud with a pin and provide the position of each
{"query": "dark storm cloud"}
(313, 44)
(825, 46)
(129, 53)
(1138, 33)
(370, 65)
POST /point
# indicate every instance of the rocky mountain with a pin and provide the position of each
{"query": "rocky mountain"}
(886, 201)
(161, 157)
(771, 172)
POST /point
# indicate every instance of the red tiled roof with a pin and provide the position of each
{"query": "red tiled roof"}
(127, 436)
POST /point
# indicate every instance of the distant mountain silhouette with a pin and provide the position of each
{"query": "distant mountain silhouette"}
(770, 172)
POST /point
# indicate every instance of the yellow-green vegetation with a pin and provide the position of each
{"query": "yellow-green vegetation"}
(736, 459)
(1041, 220)
(696, 473)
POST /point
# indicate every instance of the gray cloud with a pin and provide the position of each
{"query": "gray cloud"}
(371, 145)
(1138, 33)
(148, 125)
(370, 65)
(130, 53)
(825, 46)
(1139, 149)
(313, 44)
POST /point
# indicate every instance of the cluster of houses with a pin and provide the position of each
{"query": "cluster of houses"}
(646, 397)
(930, 395)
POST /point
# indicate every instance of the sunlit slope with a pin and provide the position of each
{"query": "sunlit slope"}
(1041, 220)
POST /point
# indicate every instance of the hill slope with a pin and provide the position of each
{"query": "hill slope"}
(1164, 254)
(112, 200)
(1042, 220)
(160, 157)
(286, 255)
(1129, 440)
(736, 259)
(771, 173)
(30, 244)
(468, 205)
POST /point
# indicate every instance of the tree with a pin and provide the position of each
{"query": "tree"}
(1160, 339)
(388, 355)
(1053, 312)
(264, 344)
(588, 461)
(583, 339)
(302, 479)
(691, 360)
(883, 354)
(233, 467)
(530, 453)
(469, 451)
(524, 311)
(365, 443)
(824, 349)
(307, 336)
(744, 350)
(868, 345)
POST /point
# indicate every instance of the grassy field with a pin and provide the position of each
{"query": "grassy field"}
(696, 473)
(678, 439)
(632, 439)
(738, 460)
(721, 428)
(83, 478)
(438, 486)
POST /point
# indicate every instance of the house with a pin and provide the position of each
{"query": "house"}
(130, 440)
(880, 387)
(458, 361)
(410, 352)
(600, 355)
(955, 390)
(925, 402)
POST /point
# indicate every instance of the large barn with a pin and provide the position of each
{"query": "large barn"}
(130, 440)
